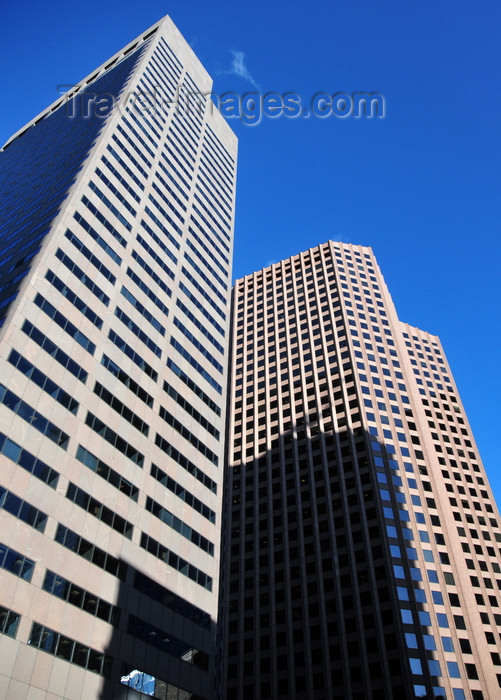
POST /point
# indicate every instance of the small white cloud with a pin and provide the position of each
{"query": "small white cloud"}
(239, 68)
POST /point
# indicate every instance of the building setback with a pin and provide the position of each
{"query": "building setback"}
(115, 264)
(362, 542)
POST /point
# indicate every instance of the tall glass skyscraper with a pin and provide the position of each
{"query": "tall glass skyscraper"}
(362, 550)
(115, 264)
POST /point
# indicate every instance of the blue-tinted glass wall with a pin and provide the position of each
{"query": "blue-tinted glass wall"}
(37, 169)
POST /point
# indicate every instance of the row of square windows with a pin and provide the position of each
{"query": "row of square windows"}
(305, 262)
(313, 307)
(425, 342)
(466, 505)
(295, 293)
(306, 335)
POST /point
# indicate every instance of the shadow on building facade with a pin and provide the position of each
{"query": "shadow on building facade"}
(163, 646)
(322, 596)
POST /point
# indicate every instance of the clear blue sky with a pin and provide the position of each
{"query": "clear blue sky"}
(421, 186)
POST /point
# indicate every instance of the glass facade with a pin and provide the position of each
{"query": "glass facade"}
(38, 168)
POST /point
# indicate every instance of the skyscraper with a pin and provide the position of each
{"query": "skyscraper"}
(362, 549)
(115, 263)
